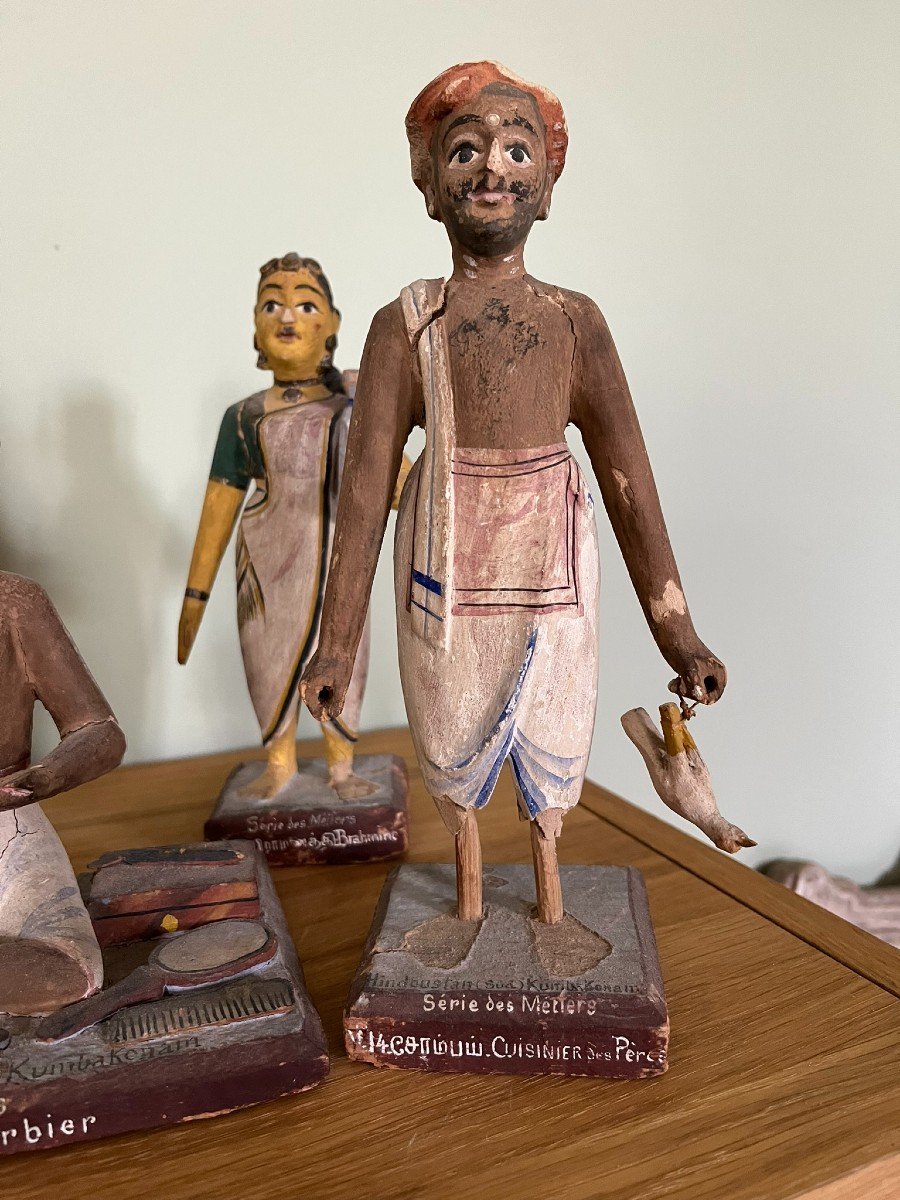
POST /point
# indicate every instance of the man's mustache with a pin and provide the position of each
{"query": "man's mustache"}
(518, 189)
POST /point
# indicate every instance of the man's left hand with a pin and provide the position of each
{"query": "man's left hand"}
(701, 676)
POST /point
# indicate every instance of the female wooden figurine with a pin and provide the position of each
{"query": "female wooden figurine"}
(496, 559)
(289, 441)
(49, 956)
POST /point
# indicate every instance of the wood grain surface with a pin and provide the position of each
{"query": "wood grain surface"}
(785, 1056)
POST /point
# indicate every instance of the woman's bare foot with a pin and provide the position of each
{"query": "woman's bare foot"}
(268, 784)
(281, 766)
(349, 786)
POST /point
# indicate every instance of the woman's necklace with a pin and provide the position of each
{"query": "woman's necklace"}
(293, 387)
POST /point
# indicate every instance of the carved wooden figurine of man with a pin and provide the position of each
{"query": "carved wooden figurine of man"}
(49, 954)
(496, 562)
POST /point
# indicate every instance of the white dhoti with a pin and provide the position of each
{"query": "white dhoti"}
(519, 680)
(496, 580)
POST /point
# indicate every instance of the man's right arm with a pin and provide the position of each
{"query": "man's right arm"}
(384, 412)
(91, 742)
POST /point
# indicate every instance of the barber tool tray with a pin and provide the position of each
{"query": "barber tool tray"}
(211, 1016)
(160, 889)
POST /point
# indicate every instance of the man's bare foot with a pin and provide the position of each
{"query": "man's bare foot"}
(267, 785)
(351, 787)
(568, 948)
(442, 941)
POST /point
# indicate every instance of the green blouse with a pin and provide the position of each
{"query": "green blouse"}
(237, 458)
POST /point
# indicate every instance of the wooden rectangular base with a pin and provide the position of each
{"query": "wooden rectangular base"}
(581, 998)
(308, 823)
(193, 1054)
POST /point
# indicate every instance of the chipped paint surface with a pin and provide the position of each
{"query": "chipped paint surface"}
(670, 604)
(624, 486)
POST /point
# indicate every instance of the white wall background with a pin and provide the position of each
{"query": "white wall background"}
(730, 202)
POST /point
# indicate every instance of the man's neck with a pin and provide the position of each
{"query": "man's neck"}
(468, 267)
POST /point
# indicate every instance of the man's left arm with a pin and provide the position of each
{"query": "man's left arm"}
(602, 409)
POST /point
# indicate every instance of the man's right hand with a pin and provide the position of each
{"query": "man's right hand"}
(324, 685)
(17, 790)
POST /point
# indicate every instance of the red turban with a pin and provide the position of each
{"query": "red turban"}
(456, 86)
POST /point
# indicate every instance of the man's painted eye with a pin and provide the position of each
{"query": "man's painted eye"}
(308, 307)
(463, 154)
(271, 306)
(519, 154)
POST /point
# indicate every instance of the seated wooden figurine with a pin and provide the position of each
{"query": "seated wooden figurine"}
(49, 954)
(163, 919)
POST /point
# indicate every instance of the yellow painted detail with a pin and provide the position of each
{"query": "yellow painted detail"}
(221, 506)
(169, 923)
(337, 748)
(675, 732)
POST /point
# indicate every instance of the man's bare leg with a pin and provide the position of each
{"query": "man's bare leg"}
(445, 940)
(564, 946)
(545, 829)
(462, 824)
(339, 756)
(281, 765)
(469, 904)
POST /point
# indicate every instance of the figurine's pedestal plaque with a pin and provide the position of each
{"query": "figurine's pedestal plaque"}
(508, 994)
(307, 822)
(195, 1053)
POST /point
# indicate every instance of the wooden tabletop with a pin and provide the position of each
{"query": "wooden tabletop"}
(785, 1052)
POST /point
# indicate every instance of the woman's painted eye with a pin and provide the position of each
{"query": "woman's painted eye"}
(519, 154)
(271, 306)
(463, 154)
(308, 307)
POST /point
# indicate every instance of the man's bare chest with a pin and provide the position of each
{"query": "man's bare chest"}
(510, 361)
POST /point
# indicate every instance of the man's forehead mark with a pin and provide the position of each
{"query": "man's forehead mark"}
(508, 92)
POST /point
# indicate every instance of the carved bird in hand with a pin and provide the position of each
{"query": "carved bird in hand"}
(679, 774)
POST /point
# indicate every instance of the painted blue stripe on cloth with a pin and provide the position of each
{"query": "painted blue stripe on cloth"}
(538, 751)
(427, 582)
(535, 768)
(491, 782)
(532, 803)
